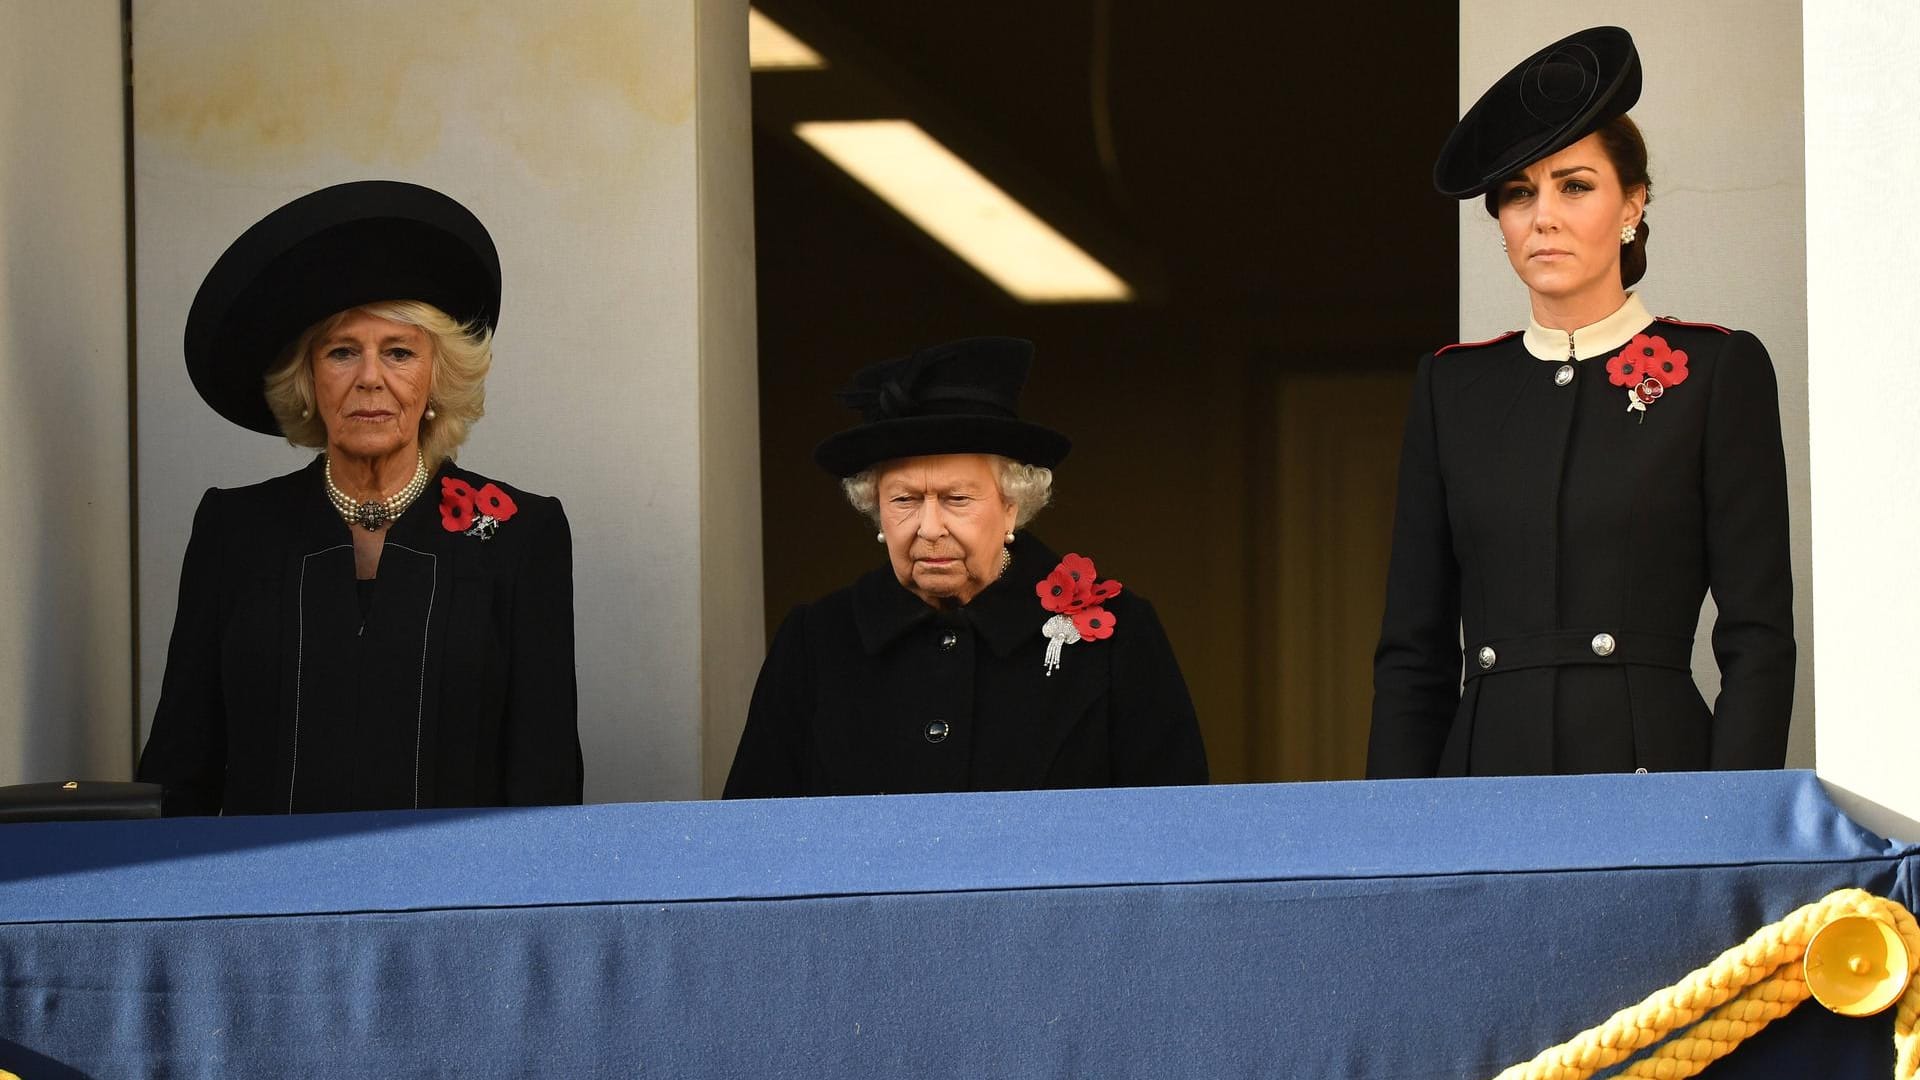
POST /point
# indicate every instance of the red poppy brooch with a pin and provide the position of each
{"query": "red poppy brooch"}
(1073, 596)
(475, 513)
(1648, 368)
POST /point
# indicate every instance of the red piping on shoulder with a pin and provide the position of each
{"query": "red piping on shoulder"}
(1474, 344)
(1700, 325)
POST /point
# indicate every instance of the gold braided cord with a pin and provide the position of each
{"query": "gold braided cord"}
(1717, 1007)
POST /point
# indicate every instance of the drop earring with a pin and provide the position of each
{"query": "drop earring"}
(430, 413)
(1627, 233)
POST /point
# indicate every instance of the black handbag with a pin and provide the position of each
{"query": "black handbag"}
(79, 800)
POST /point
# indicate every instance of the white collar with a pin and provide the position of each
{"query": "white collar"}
(1589, 341)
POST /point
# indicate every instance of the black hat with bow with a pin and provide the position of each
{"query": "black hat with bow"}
(321, 254)
(957, 398)
(1555, 98)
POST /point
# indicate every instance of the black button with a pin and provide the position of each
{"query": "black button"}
(937, 731)
(949, 639)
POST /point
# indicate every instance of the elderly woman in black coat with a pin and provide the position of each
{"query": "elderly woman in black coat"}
(975, 659)
(1570, 493)
(380, 629)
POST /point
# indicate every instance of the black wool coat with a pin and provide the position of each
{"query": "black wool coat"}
(873, 691)
(456, 687)
(1547, 525)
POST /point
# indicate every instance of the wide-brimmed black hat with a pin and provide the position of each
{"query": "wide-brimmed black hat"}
(957, 398)
(1555, 98)
(338, 248)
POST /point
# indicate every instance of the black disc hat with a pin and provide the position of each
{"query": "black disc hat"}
(323, 253)
(957, 398)
(1555, 98)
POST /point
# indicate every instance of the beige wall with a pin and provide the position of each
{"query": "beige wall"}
(595, 138)
(1720, 107)
(66, 693)
(1863, 230)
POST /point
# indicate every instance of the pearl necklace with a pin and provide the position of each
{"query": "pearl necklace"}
(370, 515)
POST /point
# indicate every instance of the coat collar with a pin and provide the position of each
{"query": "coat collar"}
(1590, 341)
(1004, 614)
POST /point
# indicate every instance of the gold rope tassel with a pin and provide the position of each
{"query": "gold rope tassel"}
(1739, 994)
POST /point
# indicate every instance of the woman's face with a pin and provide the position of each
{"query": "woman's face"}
(1562, 216)
(371, 378)
(945, 522)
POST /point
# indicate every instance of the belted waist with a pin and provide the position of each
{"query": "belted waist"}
(1561, 647)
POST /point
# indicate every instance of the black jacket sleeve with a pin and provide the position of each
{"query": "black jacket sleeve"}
(186, 751)
(1156, 736)
(1748, 561)
(772, 759)
(543, 763)
(1416, 667)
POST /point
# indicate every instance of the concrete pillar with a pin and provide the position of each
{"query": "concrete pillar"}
(66, 612)
(1863, 237)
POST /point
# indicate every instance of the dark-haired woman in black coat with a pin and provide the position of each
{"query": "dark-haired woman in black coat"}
(1568, 494)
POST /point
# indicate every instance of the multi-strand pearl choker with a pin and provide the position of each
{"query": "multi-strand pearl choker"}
(371, 515)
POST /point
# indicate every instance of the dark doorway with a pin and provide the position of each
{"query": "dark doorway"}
(1259, 173)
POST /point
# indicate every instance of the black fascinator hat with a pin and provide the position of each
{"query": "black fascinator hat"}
(1555, 98)
(957, 398)
(337, 248)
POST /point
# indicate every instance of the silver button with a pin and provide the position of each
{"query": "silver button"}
(1603, 644)
(1487, 657)
(949, 639)
(1564, 375)
(937, 731)
(1640, 772)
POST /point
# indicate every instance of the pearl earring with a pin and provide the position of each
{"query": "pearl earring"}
(1009, 536)
(1503, 241)
(880, 536)
(306, 413)
(430, 413)
(1627, 233)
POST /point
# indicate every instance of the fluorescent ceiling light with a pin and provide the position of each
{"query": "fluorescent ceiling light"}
(964, 210)
(771, 48)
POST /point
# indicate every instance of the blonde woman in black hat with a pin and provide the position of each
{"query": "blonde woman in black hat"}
(1570, 492)
(974, 658)
(380, 629)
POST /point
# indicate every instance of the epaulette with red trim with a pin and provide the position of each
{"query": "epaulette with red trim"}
(1699, 325)
(1475, 344)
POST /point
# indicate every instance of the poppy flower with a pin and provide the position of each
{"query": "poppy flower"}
(456, 515)
(1649, 390)
(452, 487)
(1665, 364)
(1058, 592)
(1624, 368)
(1080, 569)
(1094, 623)
(1103, 591)
(494, 503)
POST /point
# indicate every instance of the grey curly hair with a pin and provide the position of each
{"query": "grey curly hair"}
(1028, 487)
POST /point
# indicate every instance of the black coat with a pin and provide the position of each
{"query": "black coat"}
(1534, 517)
(455, 689)
(871, 691)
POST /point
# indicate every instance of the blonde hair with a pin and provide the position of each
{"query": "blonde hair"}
(1028, 487)
(461, 357)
